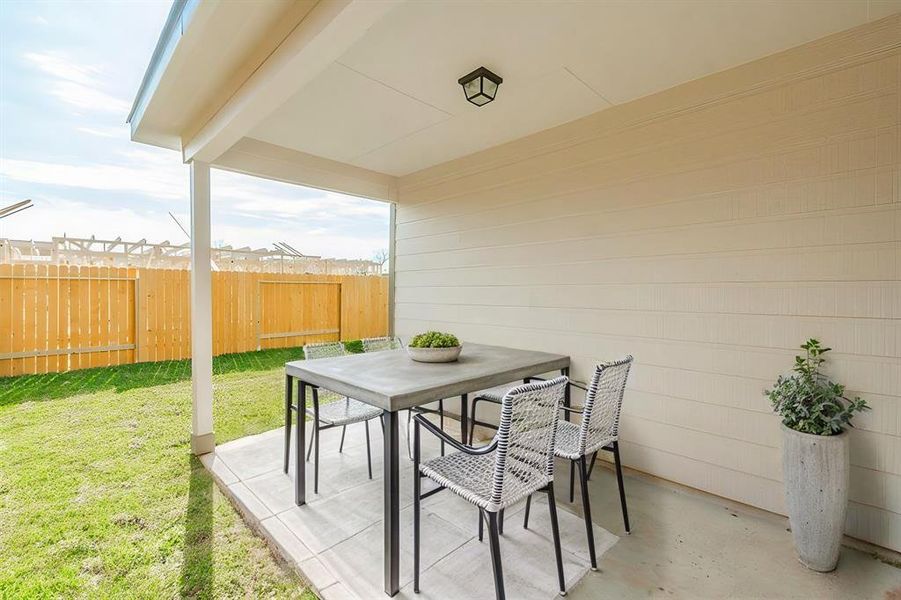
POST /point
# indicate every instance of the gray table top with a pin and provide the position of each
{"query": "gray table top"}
(392, 381)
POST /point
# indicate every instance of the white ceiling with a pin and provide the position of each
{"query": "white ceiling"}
(392, 103)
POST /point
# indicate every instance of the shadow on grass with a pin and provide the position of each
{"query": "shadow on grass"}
(197, 566)
(51, 386)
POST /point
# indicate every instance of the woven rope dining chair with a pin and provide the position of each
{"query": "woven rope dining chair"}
(377, 344)
(598, 430)
(329, 410)
(518, 462)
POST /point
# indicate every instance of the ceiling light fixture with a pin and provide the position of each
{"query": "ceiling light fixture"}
(480, 86)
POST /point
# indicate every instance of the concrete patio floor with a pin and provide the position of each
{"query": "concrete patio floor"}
(335, 540)
(684, 543)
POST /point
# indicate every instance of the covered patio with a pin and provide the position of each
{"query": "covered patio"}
(685, 543)
(702, 185)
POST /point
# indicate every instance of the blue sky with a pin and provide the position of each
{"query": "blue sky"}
(68, 73)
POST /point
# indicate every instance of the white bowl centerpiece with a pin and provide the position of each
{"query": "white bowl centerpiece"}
(434, 347)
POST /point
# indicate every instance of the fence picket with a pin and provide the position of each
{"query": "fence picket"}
(6, 332)
(57, 317)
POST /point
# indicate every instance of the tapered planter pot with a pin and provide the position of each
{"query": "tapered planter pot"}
(816, 471)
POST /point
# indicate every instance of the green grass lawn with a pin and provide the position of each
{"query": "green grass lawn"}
(100, 496)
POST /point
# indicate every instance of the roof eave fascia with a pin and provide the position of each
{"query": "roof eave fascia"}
(177, 22)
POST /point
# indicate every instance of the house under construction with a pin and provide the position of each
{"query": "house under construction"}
(165, 255)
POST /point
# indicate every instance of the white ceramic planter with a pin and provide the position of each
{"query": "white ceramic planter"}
(816, 472)
(434, 355)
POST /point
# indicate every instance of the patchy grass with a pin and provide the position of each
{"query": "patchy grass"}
(100, 497)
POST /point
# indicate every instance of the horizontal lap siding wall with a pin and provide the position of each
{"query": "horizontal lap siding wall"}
(708, 230)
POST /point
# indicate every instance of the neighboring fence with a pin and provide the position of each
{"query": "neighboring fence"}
(58, 318)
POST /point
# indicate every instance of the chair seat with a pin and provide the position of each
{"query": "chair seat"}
(471, 477)
(496, 393)
(566, 444)
(345, 411)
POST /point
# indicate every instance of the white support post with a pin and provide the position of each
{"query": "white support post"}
(202, 440)
(392, 258)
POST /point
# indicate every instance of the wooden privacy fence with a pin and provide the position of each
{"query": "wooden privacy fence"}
(57, 318)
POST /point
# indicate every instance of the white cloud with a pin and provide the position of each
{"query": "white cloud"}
(76, 84)
(61, 67)
(160, 174)
(87, 98)
(106, 132)
(329, 205)
(162, 179)
(79, 219)
(262, 198)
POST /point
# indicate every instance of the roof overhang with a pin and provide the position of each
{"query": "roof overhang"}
(206, 51)
(365, 91)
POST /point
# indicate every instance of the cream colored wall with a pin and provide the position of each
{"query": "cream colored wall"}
(708, 230)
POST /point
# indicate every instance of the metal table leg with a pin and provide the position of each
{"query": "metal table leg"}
(392, 503)
(300, 465)
(289, 389)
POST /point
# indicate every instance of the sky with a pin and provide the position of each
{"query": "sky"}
(69, 71)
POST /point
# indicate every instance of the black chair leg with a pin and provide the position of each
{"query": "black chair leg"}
(586, 510)
(555, 529)
(622, 490)
(572, 481)
(341, 445)
(416, 506)
(368, 451)
(441, 421)
(494, 543)
(525, 519)
(312, 439)
(500, 521)
(481, 525)
(288, 390)
(594, 459)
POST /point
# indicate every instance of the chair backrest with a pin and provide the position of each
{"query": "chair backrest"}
(323, 350)
(378, 344)
(524, 461)
(603, 403)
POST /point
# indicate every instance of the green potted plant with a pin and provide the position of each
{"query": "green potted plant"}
(815, 417)
(434, 347)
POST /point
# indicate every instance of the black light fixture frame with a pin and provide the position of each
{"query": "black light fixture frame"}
(482, 74)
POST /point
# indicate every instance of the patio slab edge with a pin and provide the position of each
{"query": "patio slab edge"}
(222, 476)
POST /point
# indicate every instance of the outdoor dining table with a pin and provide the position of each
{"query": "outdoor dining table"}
(393, 382)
